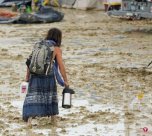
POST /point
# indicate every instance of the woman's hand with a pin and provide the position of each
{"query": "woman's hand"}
(26, 79)
(66, 84)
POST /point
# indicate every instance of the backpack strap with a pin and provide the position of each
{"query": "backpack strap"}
(52, 43)
(51, 60)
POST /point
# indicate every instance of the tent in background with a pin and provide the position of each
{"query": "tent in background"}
(88, 4)
(79, 4)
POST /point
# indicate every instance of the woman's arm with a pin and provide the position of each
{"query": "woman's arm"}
(58, 55)
(27, 75)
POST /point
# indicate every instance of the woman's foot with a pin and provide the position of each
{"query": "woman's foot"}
(54, 120)
(29, 122)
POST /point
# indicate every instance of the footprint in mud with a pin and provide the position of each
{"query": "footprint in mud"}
(103, 117)
(3, 125)
(135, 71)
(7, 103)
(45, 122)
(4, 50)
(3, 33)
(17, 57)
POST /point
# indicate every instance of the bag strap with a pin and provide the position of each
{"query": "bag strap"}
(51, 60)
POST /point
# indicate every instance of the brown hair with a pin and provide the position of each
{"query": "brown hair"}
(56, 35)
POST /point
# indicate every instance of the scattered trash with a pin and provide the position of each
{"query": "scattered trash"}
(145, 129)
(149, 64)
(140, 96)
(136, 103)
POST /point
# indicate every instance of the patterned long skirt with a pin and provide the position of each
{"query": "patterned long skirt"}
(41, 99)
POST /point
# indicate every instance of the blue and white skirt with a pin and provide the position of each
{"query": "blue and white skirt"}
(41, 99)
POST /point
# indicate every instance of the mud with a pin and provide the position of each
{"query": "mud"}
(106, 62)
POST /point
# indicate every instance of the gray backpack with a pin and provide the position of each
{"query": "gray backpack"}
(42, 57)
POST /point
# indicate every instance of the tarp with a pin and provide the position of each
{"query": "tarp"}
(9, 3)
(45, 15)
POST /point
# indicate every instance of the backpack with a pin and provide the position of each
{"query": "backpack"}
(40, 61)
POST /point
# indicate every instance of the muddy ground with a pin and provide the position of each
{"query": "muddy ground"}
(105, 60)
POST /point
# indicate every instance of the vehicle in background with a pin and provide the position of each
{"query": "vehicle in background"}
(134, 9)
(112, 5)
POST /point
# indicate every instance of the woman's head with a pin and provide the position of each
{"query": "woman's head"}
(56, 35)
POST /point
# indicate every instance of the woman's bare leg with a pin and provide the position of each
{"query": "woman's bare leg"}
(54, 120)
(29, 122)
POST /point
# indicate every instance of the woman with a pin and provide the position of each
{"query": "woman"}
(41, 99)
